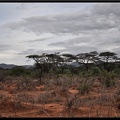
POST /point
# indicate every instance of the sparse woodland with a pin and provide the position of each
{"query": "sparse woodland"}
(56, 88)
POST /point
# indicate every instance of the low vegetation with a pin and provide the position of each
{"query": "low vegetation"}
(54, 88)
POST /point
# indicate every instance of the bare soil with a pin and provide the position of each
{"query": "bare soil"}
(52, 100)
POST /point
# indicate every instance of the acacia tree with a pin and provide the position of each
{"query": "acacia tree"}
(115, 60)
(67, 58)
(107, 58)
(55, 60)
(60, 61)
(96, 59)
(46, 62)
(84, 58)
(40, 60)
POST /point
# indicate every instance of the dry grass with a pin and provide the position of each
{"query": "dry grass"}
(58, 97)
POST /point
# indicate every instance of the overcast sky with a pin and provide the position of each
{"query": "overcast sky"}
(35, 28)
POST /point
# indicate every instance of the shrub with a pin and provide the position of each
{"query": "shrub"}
(82, 73)
(84, 87)
(24, 97)
(117, 71)
(118, 66)
(69, 103)
(63, 88)
(25, 83)
(2, 75)
(35, 73)
(117, 91)
(43, 98)
(1, 86)
(95, 71)
(108, 78)
(17, 71)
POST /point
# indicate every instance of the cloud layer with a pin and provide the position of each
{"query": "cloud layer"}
(64, 27)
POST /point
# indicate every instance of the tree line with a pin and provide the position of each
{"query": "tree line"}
(46, 63)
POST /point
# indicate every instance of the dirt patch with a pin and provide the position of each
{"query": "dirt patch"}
(59, 102)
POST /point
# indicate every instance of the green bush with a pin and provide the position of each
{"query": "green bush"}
(17, 71)
(117, 71)
(35, 73)
(67, 71)
(108, 78)
(118, 66)
(109, 82)
(84, 87)
(84, 74)
(95, 71)
(2, 76)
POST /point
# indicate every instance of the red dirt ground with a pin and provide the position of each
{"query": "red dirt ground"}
(51, 102)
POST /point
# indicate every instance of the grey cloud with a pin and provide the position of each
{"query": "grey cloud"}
(38, 40)
(112, 42)
(77, 45)
(34, 51)
(117, 51)
(72, 48)
(57, 44)
(28, 6)
(21, 7)
(27, 52)
(105, 9)
(100, 29)
(4, 47)
(73, 42)
(97, 41)
(82, 49)
(73, 23)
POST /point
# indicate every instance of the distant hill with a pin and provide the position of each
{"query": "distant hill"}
(27, 66)
(10, 66)
(7, 66)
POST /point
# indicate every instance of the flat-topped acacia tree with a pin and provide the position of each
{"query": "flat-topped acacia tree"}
(50, 62)
(86, 58)
(46, 62)
(36, 59)
(96, 59)
(40, 60)
(106, 58)
(55, 60)
(67, 58)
